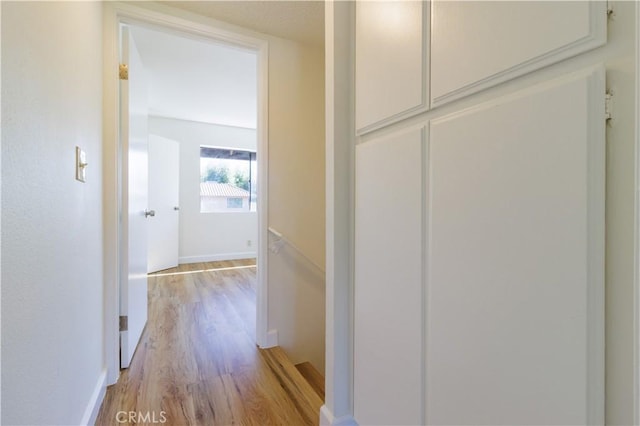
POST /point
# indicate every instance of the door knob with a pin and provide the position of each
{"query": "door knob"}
(148, 213)
(176, 208)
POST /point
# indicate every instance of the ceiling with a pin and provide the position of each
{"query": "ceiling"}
(198, 80)
(301, 20)
(201, 80)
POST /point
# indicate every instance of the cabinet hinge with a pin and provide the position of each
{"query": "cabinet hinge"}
(124, 323)
(608, 105)
(124, 72)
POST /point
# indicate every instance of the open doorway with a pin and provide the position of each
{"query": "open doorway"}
(195, 124)
(203, 95)
(177, 94)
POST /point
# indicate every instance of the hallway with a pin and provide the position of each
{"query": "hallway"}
(197, 362)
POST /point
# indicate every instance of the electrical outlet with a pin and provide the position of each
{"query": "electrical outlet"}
(249, 243)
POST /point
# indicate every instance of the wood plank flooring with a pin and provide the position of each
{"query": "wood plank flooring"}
(313, 376)
(197, 362)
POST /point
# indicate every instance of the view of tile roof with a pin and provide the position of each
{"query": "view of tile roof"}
(216, 189)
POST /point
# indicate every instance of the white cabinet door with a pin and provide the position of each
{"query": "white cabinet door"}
(164, 178)
(134, 131)
(388, 280)
(515, 284)
(391, 61)
(478, 44)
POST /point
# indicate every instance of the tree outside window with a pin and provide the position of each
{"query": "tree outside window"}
(228, 180)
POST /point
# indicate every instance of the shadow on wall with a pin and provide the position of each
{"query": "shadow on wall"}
(297, 305)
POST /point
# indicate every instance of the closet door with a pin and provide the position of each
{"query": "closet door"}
(515, 282)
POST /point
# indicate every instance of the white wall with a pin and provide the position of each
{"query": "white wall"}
(207, 236)
(52, 295)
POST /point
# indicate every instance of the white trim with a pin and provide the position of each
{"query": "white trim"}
(597, 37)
(425, 223)
(272, 339)
(0, 220)
(217, 257)
(596, 173)
(111, 197)
(327, 418)
(156, 15)
(262, 289)
(636, 236)
(95, 402)
(340, 184)
(424, 104)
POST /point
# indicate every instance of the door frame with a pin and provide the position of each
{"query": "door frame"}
(636, 233)
(116, 13)
(340, 219)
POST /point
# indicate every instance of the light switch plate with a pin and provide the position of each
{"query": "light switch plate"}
(81, 164)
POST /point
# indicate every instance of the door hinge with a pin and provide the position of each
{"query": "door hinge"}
(124, 72)
(124, 323)
(608, 105)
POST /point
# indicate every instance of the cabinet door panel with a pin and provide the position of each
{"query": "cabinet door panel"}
(391, 61)
(389, 281)
(475, 45)
(515, 311)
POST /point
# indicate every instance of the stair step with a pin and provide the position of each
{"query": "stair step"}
(313, 376)
(302, 393)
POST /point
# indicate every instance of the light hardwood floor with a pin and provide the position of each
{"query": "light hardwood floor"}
(197, 362)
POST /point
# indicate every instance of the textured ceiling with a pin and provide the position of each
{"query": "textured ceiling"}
(301, 21)
(198, 80)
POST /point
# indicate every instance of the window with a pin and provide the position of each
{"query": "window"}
(227, 180)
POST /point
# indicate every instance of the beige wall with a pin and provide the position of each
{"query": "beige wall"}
(296, 145)
(52, 278)
(297, 198)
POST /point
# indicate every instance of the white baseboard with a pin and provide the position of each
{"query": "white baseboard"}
(272, 338)
(91, 412)
(112, 377)
(217, 257)
(327, 418)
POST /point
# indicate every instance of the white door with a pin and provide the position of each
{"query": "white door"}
(164, 157)
(133, 119)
